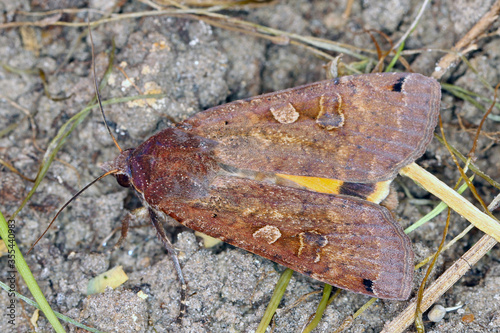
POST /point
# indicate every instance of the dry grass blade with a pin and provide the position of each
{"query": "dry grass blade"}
(14, 170)
(200, 14)
(454, 200)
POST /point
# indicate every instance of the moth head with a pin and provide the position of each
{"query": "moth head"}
(121, 167)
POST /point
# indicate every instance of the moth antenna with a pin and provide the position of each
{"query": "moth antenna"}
(98, 95)
(68, 202)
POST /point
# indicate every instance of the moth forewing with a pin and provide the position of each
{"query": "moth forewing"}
(389, 119)
(344, 241)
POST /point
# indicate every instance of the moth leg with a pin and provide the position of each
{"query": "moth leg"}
(124, 230)
(160, 231)
(137, 214)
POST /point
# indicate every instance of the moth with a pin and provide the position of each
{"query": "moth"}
(243, 172)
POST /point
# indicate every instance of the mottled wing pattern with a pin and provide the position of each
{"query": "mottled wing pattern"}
(356, 128)
(344, 241)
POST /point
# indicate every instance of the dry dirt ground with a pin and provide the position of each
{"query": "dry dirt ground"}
(197, 66)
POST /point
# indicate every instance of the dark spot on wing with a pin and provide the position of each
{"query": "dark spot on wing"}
(315, 239)
(399, 84)
(368, 285)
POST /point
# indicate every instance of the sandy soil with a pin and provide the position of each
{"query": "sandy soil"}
(198, 66)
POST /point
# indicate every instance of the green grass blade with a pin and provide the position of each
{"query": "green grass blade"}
(279, 291)
(327, 290)
(23, 269)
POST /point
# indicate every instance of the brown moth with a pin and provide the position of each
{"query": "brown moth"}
(229, 172)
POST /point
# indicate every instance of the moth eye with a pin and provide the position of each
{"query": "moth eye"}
(123, 179)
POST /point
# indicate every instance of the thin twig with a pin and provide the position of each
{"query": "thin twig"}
(442, 284)
(450, 59)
